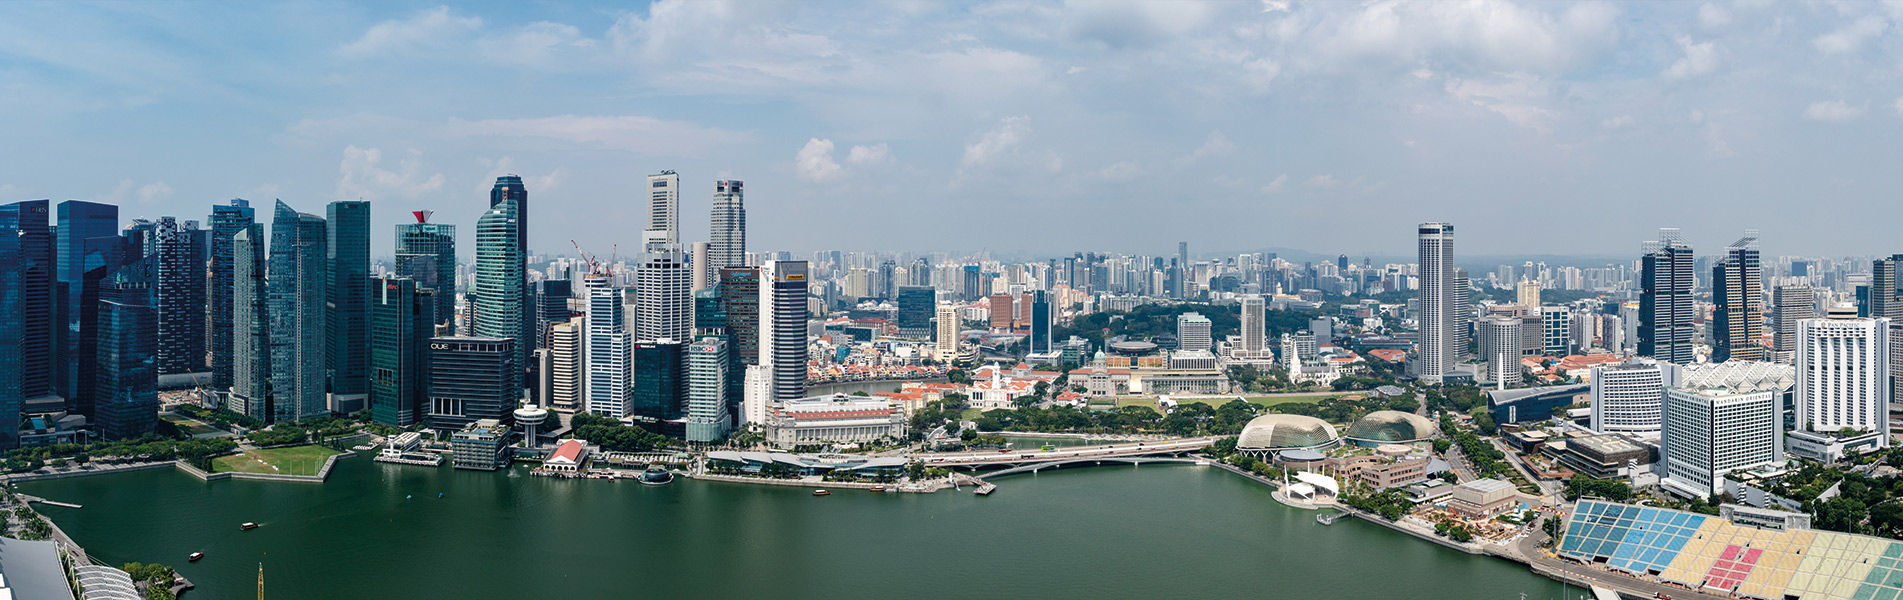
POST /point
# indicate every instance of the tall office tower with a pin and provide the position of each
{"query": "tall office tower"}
(348, 297)
(783, 326)
(1666, 310)
(888, 286)
(1500, 338)
(1040, 323)
(1463, 315)
(659, 390)
(497, 303)
(970, 289)
(551, 306)
(426, 253)
(1708, 433)
(1182, 268)
(1434, 352)
(920, 273)
(664, 300)
(708, 375)
(740, 299)
(127, 405)
(914, 319)
(13, 292)
(946, 323)
(180, 296)
(509, 187)
(1192, 332)
(1002, 308)
(1529, 293)
(1737, 291)
(28, 222)
(250, 391)
(664, 210)
(1790, 304)
(710, 322)
(1629, 397)
(299, 326)
(609, 347)
(87, 248)
(728, 236)
(858, 284)
(698, 259)
(1556, 323)
(402, 321)
(226, 221)
(472, 378)
(1885, 301)
(1255, 332)
(758, 397)
(1843, 368)
(564, 373)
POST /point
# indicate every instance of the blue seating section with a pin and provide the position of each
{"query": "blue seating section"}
(1634, 539)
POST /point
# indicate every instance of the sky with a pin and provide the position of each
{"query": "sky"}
(1037, 128)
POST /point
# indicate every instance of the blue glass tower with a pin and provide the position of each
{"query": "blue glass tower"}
(127, 404)
(401, 324)
(426, 253)
(88, 249)
(28, 220)
(497, 302)
(226, 222)
(348, 299)
(250, 392)
(298, 326)
(13, 269)
(179, 295)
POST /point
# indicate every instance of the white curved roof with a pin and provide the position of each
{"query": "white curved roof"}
(1320, 481)
(1275, 431)
(1740, 376)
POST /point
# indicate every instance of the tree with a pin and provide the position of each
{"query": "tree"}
(958, 376)
(1441, 446)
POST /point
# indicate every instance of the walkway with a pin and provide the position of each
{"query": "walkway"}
(1018, 457)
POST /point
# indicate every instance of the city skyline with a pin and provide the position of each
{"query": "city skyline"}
(1269, 118)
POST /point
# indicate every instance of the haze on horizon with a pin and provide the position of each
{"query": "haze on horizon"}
(1017, 127)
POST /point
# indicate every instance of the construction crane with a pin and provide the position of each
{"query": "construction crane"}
(595, 266)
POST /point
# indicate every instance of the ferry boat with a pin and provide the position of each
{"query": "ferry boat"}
(195, 556)
(821, 493)
(878, 488)
(248, 526)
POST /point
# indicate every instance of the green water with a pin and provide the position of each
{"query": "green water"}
(1101, 533)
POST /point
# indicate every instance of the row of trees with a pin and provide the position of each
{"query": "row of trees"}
(611, 435)
(1581, 485)
(148, 447)
(1390, 504)
(1347, 409)
(1486, 459)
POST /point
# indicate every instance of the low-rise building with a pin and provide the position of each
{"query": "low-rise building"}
(1606, 456)
(1483, 498)
(1387, 467)
(482, 445)
(835, 419)
(569, 458)
(1532, 405)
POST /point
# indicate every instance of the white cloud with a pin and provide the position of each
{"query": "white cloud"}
(118, 193)
(1214, 146)
(1276, 184)
(1132, 23)
(1700, 58)
(1516, 97)
(156, 190)
(1712, 16)
(1851, 36)
(876, 154)
(1618, 122)
(1121, 171)
(1321, 181)
(362, 176)
(1832, 111)
(1010, 132)
(814, 161)
(507, 166)
(646, 136)
(1899, 105)
(1493, 35)
(427, 28)
(535, 44)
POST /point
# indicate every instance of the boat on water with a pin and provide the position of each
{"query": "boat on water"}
(821, 493)
(248, 526)
(195, 556)
(878, 488)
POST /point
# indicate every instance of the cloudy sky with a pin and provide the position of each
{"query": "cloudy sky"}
(1565, 128)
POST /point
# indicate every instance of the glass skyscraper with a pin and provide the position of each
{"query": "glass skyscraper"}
(472, 378)
(226, 222)
(299, 326)
(551, 306)
(28, 221)
(89, 249)
(250, 392)
(707, 379)
(510, 188)
(401, 322)
(659, 390)
(426, 253)
(179, 293)
(127, 401)
(347, 252)
(783, 326)
(497, 302)
(1737, 289)
(13, 269)
(1666, 310)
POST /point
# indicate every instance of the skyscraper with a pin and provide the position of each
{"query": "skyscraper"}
(564, 373)
(250, 391)
(971, 289)
(426, 253)
(740, 300)
(88, 249)
(1843, 366)
(497, 303)
(708, 376)
(783, 326)
(13, 268)
(509, 187)
(1434, 350)
(1192, 332)
(609, 347)
(127, 404)
(402, 321)
(551, 306)
(1737, 291)
(179, 295)
(1791, 304)
(1462, 316)
(226, 221)
(664, 300)
(697, 260)
(472, 378)
(659, 391)
(729, 227)
(299, 325)
(1629, 397)
(914, 318)
(664, 210)
(1500, 338)
(1666, 311)
(28, 222)
(947, 336)
(1885, 301)
(1708, 433)
(1040, 323)
(347, 252)
(1254, 329)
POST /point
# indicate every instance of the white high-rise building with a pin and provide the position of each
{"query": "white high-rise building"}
(1790, 304)
(1557, 322)
(609, 348)
(1529, 293)
(664, 210)
(947, 326)
(1500, 346)
(1192, 332)
(783, 315)
(565, 364)
(1708, 433)
(1255, 333)
(757, 398)
(1434, 351)
(1629, 397)
(1843, 365)
(698, 260)
(664, 296)
(728, 236)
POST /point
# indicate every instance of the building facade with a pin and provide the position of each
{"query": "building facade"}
(783, 314)
(727, 236)
(472, 379)
(1708, 433)
(1843, 365)
(708, 376)
(1791, 304)
(250, 391)
(1630, 397)
(128, 403)
(402, 321)
(564, 372)
(1192, 332)
(836, 419)
(299, 324)
(179, 295)
(348, 252)
(226, 221)
(609, 348)
(426, 254)
(1666, 309)
(498, 303)
(1435, 351)
(1737, 291)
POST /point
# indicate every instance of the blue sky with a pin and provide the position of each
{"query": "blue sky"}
(1031, 127)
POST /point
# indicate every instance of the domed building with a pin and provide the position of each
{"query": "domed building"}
(1268, 434)
(1390, 427)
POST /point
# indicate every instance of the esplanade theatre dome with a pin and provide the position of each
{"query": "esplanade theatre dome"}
(1272, 432)
(1390, 427)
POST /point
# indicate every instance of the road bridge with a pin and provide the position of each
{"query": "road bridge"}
(1122, 460)
(1013, 458)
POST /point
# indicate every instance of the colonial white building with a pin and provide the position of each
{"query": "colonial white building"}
(835, 419)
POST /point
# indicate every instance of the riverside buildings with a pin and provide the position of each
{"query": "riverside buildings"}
(783, 326)
(402, 320)
(226, 221)
(499, 306)
(608, 346)
(472, 379)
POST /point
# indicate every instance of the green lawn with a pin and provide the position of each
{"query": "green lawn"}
(190, 425)
(295, 460)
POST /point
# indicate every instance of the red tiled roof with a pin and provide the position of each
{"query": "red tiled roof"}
(570, 450)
